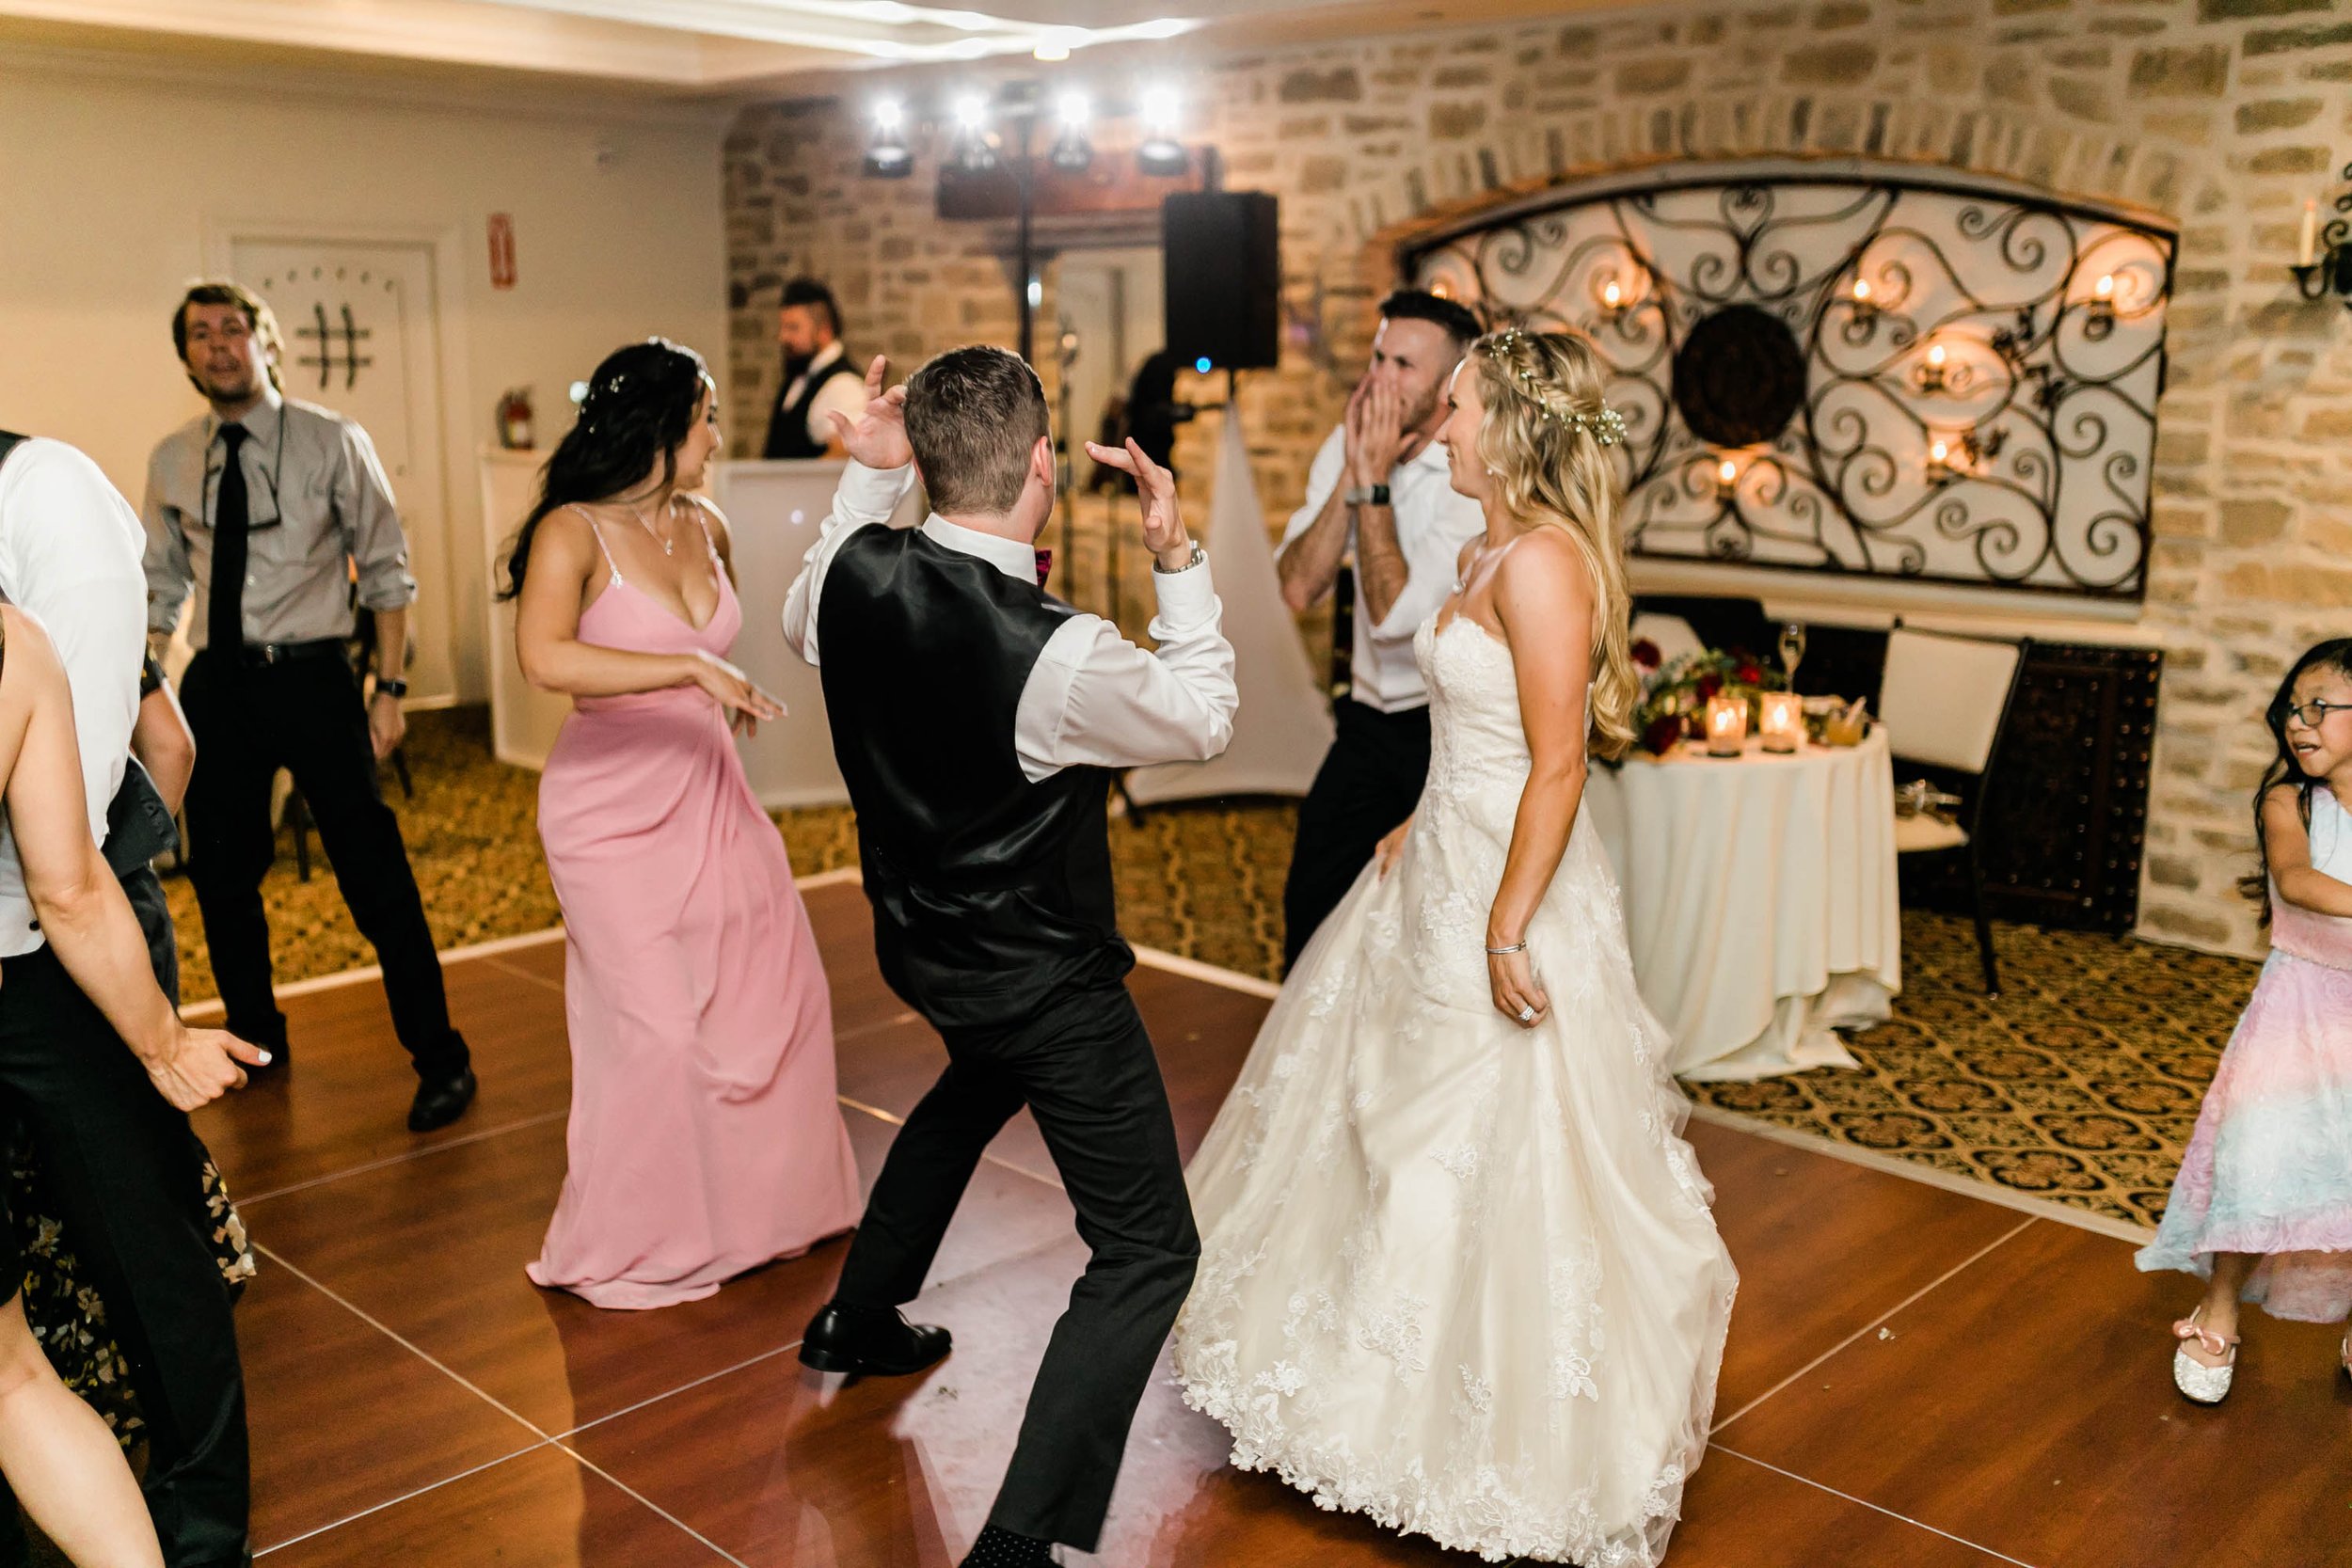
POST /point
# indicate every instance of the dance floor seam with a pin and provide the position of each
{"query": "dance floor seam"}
(1879, 1322)
(1865, 1502)
(415, 1398)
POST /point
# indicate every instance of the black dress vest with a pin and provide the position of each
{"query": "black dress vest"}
(787, 425)
(991, 894)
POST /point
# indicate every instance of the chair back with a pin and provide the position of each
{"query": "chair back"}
(1670, 634)
(1944, 699)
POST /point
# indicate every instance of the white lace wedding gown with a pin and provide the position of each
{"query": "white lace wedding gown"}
(1459, 1276)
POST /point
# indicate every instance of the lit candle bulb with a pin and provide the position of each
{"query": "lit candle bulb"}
(1726, 477)
(1935, 355)
(2105, 289)
(1939, 459)
(1862, 290)
(1611, 294)
(2306, 241)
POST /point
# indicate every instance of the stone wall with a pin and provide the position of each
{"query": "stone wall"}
(2222, 115)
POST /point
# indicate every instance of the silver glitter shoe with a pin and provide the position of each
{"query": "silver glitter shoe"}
(2197, 1382)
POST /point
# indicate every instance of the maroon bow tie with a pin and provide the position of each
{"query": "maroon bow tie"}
(1044, 565)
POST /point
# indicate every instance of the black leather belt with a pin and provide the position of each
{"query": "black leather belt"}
(254, 655)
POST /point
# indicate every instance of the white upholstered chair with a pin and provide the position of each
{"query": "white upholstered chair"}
(1670, 633)
(1945, 701)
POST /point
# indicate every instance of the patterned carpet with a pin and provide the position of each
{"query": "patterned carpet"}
(2079, 1086)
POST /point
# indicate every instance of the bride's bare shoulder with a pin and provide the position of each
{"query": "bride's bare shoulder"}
(1544, 561)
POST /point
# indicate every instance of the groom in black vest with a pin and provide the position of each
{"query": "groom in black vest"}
(977, 722)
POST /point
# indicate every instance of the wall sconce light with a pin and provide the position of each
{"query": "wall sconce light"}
(970, 150)
(1071, 151)
(1931, 369)
(2323, 255)
(1865, 309)
(1160, 153)
(1726, 480)
(886, 155)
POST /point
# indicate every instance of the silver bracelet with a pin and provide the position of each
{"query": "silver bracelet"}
(1506, 952)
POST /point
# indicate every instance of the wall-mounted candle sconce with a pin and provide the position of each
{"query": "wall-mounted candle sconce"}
(1932, 368)
(1865, 308)
(1727, 479)
(2323, 254)
(1939, 461)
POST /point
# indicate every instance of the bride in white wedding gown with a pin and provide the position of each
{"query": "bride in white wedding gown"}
(1458, 1271)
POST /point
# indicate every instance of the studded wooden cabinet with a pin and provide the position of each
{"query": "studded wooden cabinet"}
(2068, 815)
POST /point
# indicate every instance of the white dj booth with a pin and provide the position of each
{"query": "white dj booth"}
(774, 512)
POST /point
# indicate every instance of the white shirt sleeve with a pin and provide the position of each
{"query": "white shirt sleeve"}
(1433, 554)
(1096, 700)
(1323, 477)
(75, 547)
(844, 395)
(865, 497)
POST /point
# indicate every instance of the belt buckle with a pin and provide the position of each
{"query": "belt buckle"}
(269, 653)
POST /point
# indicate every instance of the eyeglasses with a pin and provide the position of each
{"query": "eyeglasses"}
(2312, 715)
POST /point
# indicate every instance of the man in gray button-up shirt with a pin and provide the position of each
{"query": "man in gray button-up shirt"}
(271, 512)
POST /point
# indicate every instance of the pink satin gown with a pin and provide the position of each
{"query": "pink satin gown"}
(704, 1136)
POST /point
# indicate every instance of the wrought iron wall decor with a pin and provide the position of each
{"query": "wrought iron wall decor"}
(1856, 373)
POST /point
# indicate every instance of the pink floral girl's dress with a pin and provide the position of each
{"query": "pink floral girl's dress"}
(2269, 1167)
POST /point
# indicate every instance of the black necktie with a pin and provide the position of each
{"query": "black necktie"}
(225, 616)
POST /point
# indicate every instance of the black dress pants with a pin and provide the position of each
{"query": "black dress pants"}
(1084, 1066)
(1370, 781)
(122, 1166)
(306, 716)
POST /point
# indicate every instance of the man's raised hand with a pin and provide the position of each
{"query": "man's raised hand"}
(1163, 533)
(878, 438)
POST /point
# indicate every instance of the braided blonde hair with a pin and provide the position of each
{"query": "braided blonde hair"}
(1544, 435)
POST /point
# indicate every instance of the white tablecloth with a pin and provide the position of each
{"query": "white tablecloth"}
(1759, 899)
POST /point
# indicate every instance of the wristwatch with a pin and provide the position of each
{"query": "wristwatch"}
(1199, 555)
(1376, 495)
(390, 688)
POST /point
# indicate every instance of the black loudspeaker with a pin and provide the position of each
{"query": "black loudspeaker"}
(1222, 258)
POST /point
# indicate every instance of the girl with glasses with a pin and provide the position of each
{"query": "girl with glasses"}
(2263, 1204)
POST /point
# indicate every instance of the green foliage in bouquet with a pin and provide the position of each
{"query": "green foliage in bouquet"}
(1675, 694)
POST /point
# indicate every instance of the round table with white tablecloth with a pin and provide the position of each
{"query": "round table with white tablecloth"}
(1759, 899)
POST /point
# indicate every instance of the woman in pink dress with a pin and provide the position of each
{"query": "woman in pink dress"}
(705, 1135)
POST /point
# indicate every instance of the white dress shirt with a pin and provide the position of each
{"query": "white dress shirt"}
(844, 395)
(1433, 522)
(69, 556)
(1093, 699)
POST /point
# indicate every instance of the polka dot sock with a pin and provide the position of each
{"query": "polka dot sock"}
(1002, 1549)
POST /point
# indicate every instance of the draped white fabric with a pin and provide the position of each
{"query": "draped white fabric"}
(1284, 724)
(1759, 900)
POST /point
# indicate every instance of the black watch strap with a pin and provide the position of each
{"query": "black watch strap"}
(390, 688)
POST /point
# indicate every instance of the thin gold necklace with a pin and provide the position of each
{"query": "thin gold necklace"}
(668, 545)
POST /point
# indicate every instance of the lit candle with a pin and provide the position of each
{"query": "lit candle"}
(1931, 373)
(1862, 290)
(1611, 294)
(1726, 477)
(1939, 458)
(1783, 723)
(1935, 355)
(2307, 241)
(1726, 725)
(2105, 289)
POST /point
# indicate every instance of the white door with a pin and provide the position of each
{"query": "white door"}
(360, 330)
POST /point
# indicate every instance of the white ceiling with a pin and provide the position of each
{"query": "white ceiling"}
(699, 47)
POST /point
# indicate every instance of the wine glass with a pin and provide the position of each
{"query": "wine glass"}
(1791, 650)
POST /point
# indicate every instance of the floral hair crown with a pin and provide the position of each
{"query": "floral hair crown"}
(1606, 426)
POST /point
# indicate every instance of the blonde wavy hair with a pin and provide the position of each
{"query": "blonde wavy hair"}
(1544, 435)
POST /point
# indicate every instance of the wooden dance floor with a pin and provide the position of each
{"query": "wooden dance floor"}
(1916, 1377)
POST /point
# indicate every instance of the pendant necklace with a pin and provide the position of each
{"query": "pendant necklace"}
(668, 545)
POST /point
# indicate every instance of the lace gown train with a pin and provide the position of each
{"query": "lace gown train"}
(1459, 1276)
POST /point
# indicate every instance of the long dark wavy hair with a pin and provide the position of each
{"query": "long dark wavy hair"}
(639, 406)
(2284, 771)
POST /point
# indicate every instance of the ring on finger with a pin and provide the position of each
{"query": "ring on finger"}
(1527, 1014)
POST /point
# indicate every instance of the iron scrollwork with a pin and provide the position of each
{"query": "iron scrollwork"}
(1858, 374)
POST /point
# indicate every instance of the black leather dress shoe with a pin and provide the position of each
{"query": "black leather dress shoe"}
(441, 1100)
(877, 1340)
